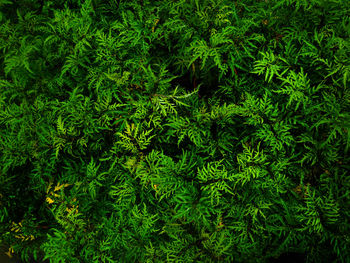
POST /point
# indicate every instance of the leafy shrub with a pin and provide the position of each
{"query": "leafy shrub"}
(175, 131)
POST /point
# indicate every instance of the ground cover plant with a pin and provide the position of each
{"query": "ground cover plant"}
(175, 130)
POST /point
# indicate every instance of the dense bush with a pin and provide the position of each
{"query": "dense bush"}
(175, 130)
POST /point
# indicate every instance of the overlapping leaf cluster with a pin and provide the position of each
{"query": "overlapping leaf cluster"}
(175, 131)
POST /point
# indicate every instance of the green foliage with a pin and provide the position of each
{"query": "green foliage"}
(175, 131)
